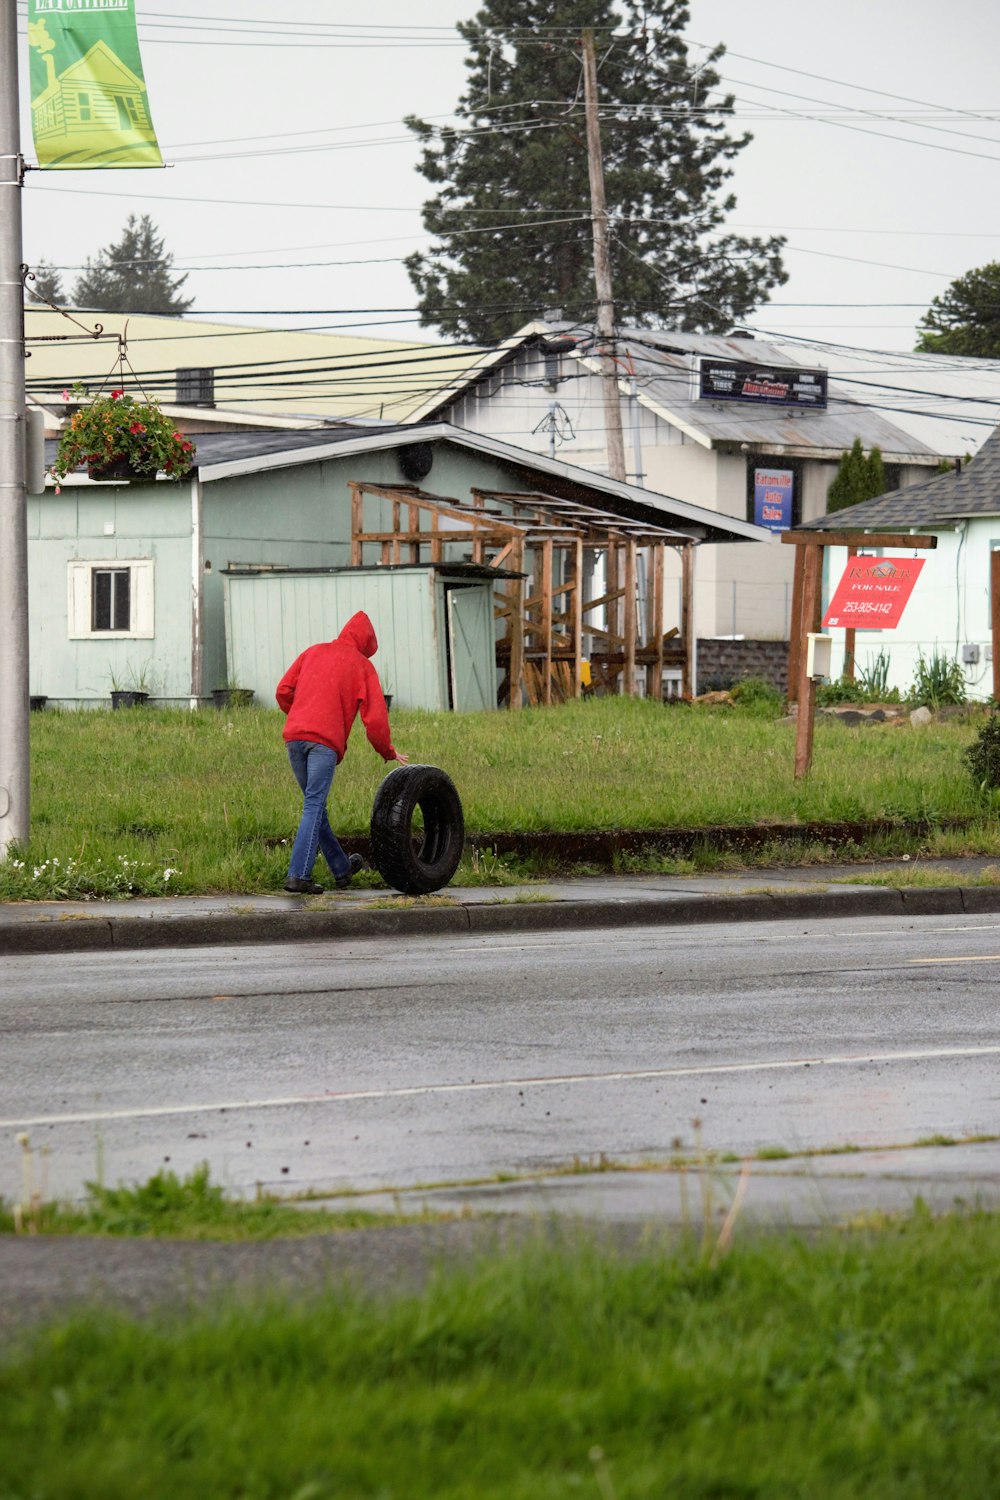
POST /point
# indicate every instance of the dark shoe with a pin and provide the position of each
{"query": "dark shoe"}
(299, 886)
(357, 864)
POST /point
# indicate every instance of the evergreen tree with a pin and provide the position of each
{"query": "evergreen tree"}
(46, 284)
(857, 478)
(133, 275)
(519, 158)
(966, 318)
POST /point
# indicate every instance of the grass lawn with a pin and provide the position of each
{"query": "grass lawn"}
(860, 1365)
(159, 801)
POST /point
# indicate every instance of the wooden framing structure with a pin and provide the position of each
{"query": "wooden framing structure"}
(807, 609)
(546, 551)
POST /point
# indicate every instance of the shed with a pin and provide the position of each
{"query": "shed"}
(434, 625)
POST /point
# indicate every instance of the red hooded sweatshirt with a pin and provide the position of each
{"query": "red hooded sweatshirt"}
(328, 685)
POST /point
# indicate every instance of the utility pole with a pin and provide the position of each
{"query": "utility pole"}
(13, 499)
(602, 266)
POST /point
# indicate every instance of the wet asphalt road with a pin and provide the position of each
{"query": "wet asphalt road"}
(385, 1064)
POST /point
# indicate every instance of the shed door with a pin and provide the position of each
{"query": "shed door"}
(471, 651)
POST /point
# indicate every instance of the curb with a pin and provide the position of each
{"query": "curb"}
(109, 933)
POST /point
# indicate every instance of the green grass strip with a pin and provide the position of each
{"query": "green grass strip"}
(191, 1208)
(160, 801)
(857, 1366)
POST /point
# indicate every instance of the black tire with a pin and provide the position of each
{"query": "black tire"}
(419, 861)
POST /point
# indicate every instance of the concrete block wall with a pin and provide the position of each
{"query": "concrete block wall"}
(723, 663)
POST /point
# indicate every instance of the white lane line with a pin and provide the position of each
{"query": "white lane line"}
(967, 958)
(558, 1080)
(626, 935)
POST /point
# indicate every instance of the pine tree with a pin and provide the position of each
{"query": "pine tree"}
(857, 478)
(518, 159)
(45, 284)
(133, 275)
(966, 318)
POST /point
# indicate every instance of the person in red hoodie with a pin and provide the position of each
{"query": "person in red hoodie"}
(321, 695)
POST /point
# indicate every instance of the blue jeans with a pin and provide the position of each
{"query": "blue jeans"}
(313, 766)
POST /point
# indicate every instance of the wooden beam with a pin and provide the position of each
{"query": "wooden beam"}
(687, 618)
(576, 629)
(516, 591)
(396, 528)
(659, 557)
(357, 525)
(795, 626)
(546, 617)
(850, 636)
(811, 591)
(613, 592)
(859, 539)
(629, 625)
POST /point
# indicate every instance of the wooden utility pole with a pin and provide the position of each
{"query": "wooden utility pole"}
(602, 266)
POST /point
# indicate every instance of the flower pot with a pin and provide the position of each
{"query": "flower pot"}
(37, 702)
(117, 468)
(232, 697)
(127, 698)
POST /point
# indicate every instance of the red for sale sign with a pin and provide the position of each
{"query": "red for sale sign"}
(873, 592)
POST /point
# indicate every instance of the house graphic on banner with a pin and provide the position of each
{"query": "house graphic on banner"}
(92, 113)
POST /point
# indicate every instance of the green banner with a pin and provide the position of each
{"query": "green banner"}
(89, 106)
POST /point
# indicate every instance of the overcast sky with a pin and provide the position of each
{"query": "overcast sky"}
(876, 152)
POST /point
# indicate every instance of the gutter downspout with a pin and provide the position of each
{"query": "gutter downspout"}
(197, 591)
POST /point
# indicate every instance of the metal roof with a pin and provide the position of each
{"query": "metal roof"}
(229, 455)
(553, 476)
(266, 370)
(972, 491)
(666, 365)
(951, 403)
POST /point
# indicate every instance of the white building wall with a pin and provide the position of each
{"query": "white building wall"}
(742, 588)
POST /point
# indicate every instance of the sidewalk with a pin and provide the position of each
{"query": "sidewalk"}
(600, 901)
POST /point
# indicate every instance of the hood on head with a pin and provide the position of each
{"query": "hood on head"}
(360, 632)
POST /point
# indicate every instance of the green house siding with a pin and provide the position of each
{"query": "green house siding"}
(145, 524)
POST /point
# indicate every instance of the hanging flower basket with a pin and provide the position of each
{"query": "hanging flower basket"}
(117, 437)
(118, 468)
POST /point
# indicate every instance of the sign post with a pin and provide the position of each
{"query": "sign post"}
(806, 607)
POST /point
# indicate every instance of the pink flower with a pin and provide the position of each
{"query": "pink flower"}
(116, 395)
(137, 427)
(66, 396)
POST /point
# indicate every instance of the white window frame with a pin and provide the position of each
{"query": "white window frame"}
(80, 593)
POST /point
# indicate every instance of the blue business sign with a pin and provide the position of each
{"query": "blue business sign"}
(772, 498)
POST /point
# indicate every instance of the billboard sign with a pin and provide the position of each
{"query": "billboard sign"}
(772, 498)
(770, 385)
(873, 592)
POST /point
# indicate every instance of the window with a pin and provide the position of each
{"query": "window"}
(83, 105)
(111, 598)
